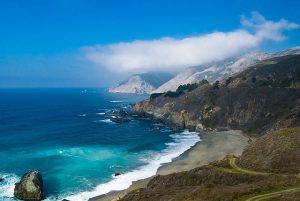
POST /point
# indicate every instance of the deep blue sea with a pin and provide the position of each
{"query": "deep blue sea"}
(66, 135)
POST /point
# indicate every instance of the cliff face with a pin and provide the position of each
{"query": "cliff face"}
(262, 98)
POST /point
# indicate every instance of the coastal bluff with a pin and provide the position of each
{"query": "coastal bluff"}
(263, 98)
(264, 103)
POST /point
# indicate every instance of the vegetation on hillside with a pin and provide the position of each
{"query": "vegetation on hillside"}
(226, 180)
(260, 100)
(180, 90)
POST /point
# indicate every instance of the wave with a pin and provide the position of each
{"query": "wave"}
(108, 121)
(82, 115)
(181, 142)
(100, 113)
(7, 186)
(117, 101)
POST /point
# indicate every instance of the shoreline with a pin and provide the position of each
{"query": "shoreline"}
(182, 141)
(212, 146)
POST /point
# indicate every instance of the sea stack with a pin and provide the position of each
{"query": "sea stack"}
(119, 119)
(30, 188)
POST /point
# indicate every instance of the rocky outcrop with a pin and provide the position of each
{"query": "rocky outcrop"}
(247, 109)
(30, 188)
(117, 174)
(254, 101)
(118, 112)
(119, 119)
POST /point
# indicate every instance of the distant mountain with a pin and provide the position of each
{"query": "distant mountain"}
(143, 83)
(290, 51)
(221, 69)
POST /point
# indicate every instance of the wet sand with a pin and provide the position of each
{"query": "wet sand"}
(213, 146)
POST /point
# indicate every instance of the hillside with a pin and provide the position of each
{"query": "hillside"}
(277, 152)
(141, 83)
(254, 101)
(262, 101)
(227, 180)
(221, 69)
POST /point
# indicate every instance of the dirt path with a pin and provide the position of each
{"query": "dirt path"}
(239, 169)
(272, 195)
(232, 162)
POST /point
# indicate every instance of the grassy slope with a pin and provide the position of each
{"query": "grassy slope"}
(225, 180)
(262, 99)
(254, 101)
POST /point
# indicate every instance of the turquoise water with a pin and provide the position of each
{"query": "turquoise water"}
(66, 135)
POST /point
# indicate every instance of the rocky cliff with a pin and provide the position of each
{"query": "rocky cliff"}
(264, 97)
(263, 100)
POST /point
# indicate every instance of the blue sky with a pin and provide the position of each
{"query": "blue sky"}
(44, 43)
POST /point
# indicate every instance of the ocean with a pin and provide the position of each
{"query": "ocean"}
(67, 136)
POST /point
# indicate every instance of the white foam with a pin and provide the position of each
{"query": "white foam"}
(7, 186)
(82, 115)
(117, 101)
(100, 113)
(108, 121)
(104, 121)
(182, 142)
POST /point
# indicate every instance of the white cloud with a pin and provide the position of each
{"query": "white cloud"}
(170, 54)
(266, 29)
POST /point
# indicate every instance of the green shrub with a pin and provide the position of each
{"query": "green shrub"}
(173, 94)
(228, 81)
(203, 82)
(286, 82)
(187, 87)
(155, 95)
(263, 83)
(216, 85)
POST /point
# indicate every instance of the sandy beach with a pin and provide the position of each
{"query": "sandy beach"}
(213, 146)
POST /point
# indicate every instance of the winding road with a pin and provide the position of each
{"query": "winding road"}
(272, 195)
(239, 169)
(232, 162)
